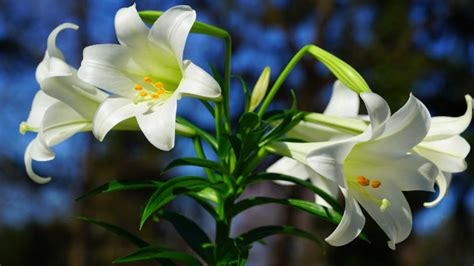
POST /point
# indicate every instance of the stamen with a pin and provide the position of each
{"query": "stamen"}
(155, 96)
(385, 204)
(159, 85)
(138, 87)
(143, 93)
(376, 183)
(161, 91)
(362, 180)
(147, 79)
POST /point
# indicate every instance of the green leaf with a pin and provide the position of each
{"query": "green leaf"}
(169, 191)
(116, 185)
(246, 92)
(155, 252)
(150, 16)
(259, 233)
(194, 236)
(194, 162)
(274, 176)
(124, 234)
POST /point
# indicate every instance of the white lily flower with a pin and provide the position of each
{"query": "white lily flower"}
(443, 144)
(343, 102)
(146, 74)
(373, 168)
(64, 106)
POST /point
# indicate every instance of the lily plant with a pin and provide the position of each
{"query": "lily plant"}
(136, 84)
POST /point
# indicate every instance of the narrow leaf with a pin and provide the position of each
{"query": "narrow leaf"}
(116, 185)
(274, 176)
(194, 236)
(194, 162)
(124, 234)
(259, 233)
(154, 252)
(170, 190)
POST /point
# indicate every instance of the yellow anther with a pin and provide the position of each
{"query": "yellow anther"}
(384, 205)
(159, 85)
(138, 87)
(375, 183)
(147, 79)
(155, 96)
(362, 180)
(160, 91)
(143, 93)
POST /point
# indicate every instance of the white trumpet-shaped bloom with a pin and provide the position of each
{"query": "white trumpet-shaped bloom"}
(146, 74)
(373, 168)
(443, 144)
(64, 106)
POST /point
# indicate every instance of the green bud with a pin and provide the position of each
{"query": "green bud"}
(260, 89)
(344, 72)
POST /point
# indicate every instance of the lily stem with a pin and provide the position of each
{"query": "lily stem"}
(283, 75)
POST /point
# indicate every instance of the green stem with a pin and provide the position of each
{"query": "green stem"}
(283, 75)
(198, 131)
(227, 71)
(200, 153)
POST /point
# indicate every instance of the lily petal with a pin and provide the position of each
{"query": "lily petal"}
(344, 102)
(351, 225)
(448, 154)
(442, 180)
(396, 219)
(81, 96)
(52, 51)
(198, 83)
(113, 111)
(60, 122)
(444, 126)
(328, 186)
(29, 165)
(378, 110)
(408, 173)
(41, 103)
(288, 166)
(328, 160)
(130, 28)
(158, 125)
(110, 66)
(405, 129)
(171, 29)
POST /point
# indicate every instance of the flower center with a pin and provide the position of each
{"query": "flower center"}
(361, 184)
(150, 91)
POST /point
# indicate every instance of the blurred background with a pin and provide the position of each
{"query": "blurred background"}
(424, 47)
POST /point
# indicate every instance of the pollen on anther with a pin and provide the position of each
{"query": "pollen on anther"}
(155, 96)
(160, 91)
(158, 85)
(143, 93)
(147, 79)
(362, 180)
(375, 183)
(138, 87)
